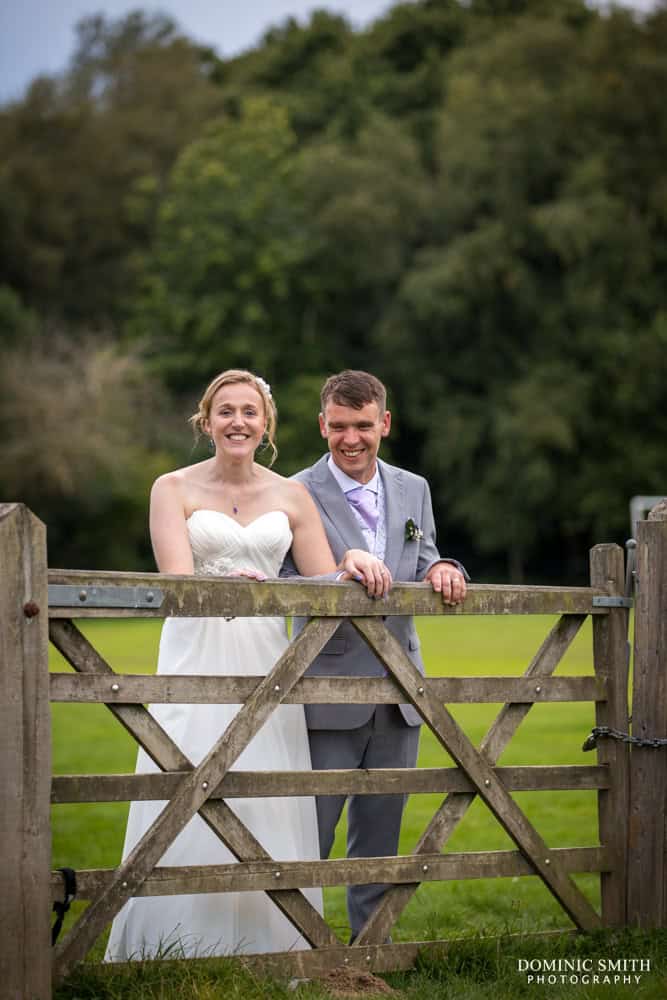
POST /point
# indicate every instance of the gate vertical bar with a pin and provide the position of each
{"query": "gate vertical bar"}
(25, 758)
(611, 659)
(647, 871)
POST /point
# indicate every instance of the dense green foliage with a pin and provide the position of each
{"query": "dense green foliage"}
(467, 199)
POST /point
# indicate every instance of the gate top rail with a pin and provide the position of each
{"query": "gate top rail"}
(157, 595)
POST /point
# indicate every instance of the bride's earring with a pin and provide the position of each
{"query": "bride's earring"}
(211, 445)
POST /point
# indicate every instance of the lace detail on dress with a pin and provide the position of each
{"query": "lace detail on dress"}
(220, 566)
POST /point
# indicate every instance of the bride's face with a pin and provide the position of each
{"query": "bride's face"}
(236, 421)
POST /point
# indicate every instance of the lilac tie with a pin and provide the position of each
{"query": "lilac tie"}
(364, 502)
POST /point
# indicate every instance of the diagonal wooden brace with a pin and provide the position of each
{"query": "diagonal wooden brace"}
(194, 790)
(378, 926)
(483, 776)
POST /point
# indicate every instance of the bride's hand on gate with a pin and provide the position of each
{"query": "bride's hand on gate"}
(371, 572)
(251, 574)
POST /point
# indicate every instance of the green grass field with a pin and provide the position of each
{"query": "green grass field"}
(87, 739)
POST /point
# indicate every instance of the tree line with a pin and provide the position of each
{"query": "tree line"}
(467, 199)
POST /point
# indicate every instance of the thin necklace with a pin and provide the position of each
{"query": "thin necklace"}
(235, 506)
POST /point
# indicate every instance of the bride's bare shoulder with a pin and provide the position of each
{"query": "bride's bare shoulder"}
(293, 497)
(287, 487)
(179, 480)
(281, 490)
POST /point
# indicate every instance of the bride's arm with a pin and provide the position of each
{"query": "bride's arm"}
(169, 533)
(311, 551)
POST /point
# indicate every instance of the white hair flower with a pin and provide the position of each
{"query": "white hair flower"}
(264, 384)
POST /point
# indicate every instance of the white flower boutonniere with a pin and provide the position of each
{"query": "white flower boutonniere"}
(413, 532)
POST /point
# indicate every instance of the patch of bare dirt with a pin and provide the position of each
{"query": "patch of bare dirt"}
(344, 982)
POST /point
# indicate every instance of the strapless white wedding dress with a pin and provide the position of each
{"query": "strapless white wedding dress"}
(230, 922)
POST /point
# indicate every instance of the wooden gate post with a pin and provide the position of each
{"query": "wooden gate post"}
(610, 655)
(648, 770)
(25, 758)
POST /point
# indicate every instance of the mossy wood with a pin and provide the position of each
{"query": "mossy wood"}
(317, 963)
(201, 596)
(204, 789)
(139, 689)
(97, 682)
(386, 781)
(25, 761)
(647, 835)
(128, 879)
(261, 875)
(611, 654)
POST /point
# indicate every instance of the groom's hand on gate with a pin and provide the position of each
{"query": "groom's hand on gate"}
(449, 581)
(368, 570)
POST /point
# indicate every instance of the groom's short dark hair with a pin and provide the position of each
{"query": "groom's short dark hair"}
(355, 389)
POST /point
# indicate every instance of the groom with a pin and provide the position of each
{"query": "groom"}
(365, 503)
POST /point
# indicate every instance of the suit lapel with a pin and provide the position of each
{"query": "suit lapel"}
(395, 501)
(332, 500)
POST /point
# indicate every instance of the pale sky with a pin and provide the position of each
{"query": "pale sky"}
(37, 36)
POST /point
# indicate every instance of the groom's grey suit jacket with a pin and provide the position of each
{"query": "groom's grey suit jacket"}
(346, 654)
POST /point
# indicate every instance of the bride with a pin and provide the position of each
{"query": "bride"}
(230, 516)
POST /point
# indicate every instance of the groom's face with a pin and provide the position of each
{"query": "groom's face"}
(354, 437)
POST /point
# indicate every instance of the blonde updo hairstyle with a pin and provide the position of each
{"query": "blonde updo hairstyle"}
(235, 376)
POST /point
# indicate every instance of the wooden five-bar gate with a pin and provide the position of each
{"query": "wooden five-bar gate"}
(38, 605)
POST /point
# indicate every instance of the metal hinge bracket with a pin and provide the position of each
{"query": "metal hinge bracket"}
(65, 596)
(612, 602)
